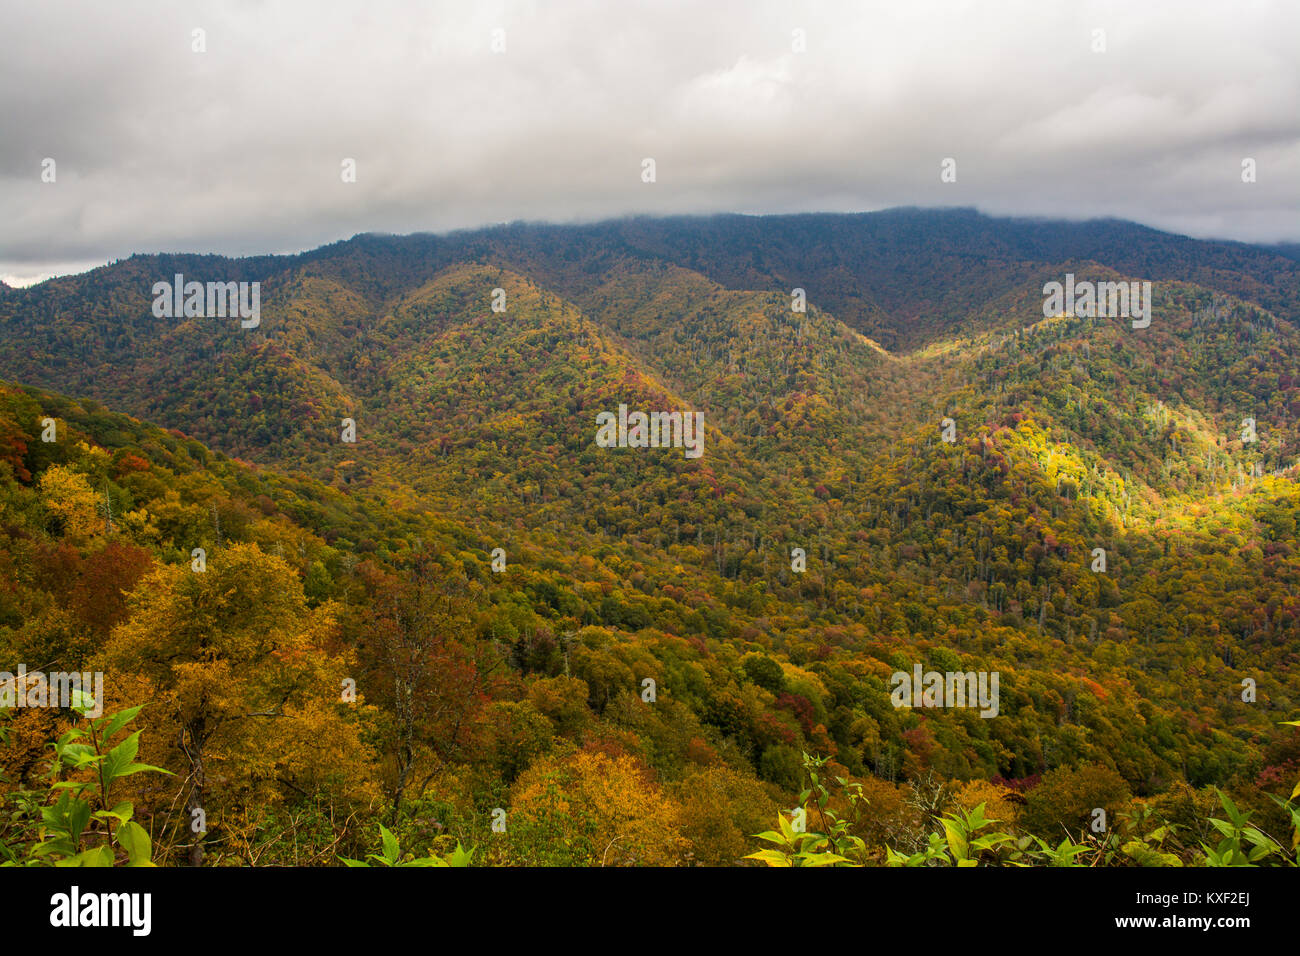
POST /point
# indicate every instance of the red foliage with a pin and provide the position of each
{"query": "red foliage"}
(13, 448)
(800, 706)
(98, 597)
(1019, 784)
(131, 462)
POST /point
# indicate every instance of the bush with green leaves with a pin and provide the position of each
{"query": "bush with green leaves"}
(1140, 841)
(966, 840)
(834, 844)
(969, 838)
(73, 821)
(1244, 844)
(391, 855)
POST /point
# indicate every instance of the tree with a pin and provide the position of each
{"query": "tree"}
(423, 666)
(229, 648)
(591, 809)
(1063, 802)
(67, 495)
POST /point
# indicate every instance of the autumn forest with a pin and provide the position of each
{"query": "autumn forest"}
(364, 588)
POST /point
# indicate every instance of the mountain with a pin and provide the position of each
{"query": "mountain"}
(948, 456)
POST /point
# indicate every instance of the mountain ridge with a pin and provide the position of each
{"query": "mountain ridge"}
(948, 495)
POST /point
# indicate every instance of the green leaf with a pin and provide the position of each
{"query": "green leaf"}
(100, 856)
(786, 828)
(956, 839)
(117, 721)
(1223, 827)
(82, 702)
(56, 816)
(894, 858)
(460, 856)
(132, 838)
(770, 857)
(120, 757)
(391, 851)
(77, 756)
(141, 768)
(827, 859)
(78, 817)
(122, 813)
(1235, 815)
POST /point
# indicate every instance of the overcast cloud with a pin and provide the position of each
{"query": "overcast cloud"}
(238, 149)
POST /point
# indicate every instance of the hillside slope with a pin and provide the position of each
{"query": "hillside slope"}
(948, 460)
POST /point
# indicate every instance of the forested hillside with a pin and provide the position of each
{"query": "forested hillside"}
(474, 625)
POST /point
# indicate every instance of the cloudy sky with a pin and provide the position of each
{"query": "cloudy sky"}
(477, 111)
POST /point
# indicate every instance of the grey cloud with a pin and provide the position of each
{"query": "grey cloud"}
(238, 149)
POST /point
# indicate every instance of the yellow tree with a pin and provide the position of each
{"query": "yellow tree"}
(68, 496)
(590, 809)
(239, 668)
